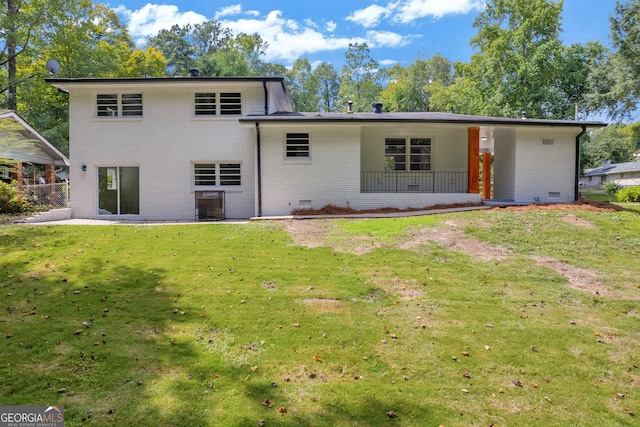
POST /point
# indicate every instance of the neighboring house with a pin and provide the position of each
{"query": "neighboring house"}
(624, 174)
(173, 148)
(23, 145)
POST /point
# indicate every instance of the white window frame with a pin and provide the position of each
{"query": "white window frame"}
(295, 144)
(407, 151)
(221, 104)
(119, 105)
(224, 174)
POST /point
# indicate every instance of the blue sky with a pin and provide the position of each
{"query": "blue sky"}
(396, 31)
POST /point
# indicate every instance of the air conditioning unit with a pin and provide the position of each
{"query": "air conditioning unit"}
(209, 205)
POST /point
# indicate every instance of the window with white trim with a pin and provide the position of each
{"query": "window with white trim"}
(119, 105)
(205, 104)
(297, 145)
(402, 154)
(230, 103)
(218, 104)
(217, 174)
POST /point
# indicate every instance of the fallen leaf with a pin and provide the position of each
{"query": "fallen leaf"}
(254, 368)
(297, 324)
(8, 335)
(316, 357)
(267, 403)
(464, 353)
(466, 374)
(391, 414)
(464, 390)
(282, 409)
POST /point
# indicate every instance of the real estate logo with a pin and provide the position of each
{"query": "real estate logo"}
(31, 416)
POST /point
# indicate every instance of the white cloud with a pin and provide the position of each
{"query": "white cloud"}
(372, 15)
(152, 18)
(288, 40)
(411, 10)
(386, 39)
(235, 9)
(387, 62)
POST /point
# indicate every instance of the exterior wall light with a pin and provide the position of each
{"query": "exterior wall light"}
(83, 168)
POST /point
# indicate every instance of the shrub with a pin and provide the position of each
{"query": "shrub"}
(11, 200)
(629, 195)
(611, 188)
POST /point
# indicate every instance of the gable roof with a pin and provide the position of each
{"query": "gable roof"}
(612, 168)
(44, 152)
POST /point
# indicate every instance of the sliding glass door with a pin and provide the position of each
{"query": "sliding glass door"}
(118, 190)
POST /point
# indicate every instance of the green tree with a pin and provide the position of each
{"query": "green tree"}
(521, 65)
(22, 22)
(615, 143)
(360, 79)
(328, 86)
(176, 46)
(407, 89)
(303, 86)
(616, 81)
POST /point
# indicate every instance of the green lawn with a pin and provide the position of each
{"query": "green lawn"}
(455, 320)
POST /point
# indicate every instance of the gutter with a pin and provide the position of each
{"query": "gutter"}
(576, 195)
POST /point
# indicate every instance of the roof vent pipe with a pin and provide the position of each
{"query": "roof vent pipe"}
(377, 107)
(350, 107)
(194, 72)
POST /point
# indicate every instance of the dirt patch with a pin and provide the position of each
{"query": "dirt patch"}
(322, 305)
(452, 237)
(579, 278)
(572, 219)
(405, 289)
(309, 233)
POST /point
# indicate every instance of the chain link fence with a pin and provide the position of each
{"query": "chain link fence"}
(54, 195)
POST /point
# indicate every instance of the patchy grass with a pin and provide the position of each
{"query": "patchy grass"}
(229, 324)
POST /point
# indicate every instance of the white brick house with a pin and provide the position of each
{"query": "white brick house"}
(148, 148)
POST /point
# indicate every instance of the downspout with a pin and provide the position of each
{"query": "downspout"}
(576, 195)
(259, 159)
(259, 170)
(266, 98)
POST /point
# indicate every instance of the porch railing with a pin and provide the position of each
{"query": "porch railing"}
(55, 195)
(413, 182)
